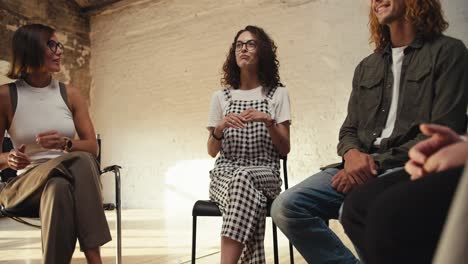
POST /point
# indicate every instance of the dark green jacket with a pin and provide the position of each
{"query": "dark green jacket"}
(433, 89)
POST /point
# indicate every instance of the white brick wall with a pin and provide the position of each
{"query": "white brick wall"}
(156, 64)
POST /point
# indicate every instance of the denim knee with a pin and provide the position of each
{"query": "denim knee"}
(284, 209)
(277, 210)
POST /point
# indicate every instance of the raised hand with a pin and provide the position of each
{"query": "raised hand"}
(441, 137)
(447, 157)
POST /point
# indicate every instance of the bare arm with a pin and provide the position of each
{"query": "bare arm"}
(279, 134)
(83, 125)
(214, 145)
(16, 158)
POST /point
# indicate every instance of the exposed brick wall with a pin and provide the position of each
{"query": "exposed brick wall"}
(72, 30)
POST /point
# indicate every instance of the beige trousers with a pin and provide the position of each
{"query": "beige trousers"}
(66, 193)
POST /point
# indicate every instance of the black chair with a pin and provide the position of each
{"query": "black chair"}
(209, 208)
(17, 216)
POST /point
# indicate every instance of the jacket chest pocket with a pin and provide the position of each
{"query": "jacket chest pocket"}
(370, 89)
(417, 82)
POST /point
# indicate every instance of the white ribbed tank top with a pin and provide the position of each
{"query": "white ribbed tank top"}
(39, 110)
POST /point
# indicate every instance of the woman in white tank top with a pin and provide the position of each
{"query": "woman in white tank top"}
(58, 177)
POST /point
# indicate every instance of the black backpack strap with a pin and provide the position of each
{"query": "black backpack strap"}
(13, 97)
(63, 93)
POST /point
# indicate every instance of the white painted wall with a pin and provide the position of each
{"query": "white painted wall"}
(156, 63)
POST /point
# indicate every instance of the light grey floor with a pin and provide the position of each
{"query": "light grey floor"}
(147, 238)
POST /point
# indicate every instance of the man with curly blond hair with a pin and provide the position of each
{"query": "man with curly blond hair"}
(415, 75)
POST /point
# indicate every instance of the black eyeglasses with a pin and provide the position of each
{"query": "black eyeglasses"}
(250, 45)
(53, 45)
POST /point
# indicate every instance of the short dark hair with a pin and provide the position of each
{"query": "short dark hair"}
(268, 64)
(28, 49)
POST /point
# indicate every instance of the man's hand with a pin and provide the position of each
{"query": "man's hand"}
(359, 166)
(340, 182)
(435, 153)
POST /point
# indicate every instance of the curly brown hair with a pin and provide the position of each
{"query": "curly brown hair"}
(426, 16)
(268, 63)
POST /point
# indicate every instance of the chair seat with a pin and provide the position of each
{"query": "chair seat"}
(209, 208)
(28, 213)
(205, 208)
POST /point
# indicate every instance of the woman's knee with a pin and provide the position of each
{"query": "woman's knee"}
(241, 175)
(242, 180)
(57, 190)
(86, 163)
(83, 156)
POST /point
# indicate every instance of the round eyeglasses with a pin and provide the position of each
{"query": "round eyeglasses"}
(250, 45)
(54, 45)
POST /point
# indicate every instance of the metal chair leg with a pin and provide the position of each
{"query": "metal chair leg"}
(291, 253)
(194, 238)
(275, 243)
(119, 216)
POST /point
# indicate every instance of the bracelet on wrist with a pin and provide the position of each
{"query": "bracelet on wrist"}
(215, 137)
(270, 123)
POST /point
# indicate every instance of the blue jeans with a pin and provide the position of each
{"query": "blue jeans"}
(301, 213)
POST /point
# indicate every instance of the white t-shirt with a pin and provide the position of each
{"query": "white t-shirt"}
(397, 56)
(279, 105)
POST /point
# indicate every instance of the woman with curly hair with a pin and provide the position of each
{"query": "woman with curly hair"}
(249, 127)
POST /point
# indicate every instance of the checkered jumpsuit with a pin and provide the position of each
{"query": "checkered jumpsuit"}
(246, 175)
